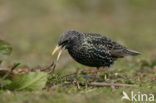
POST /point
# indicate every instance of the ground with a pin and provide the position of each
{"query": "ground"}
(33, 28)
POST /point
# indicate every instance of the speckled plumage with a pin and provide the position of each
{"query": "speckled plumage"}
(93, 49)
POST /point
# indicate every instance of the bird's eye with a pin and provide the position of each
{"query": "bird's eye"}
(68, 41)
(65, 42)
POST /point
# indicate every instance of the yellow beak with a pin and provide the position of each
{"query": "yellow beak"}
(60, 51)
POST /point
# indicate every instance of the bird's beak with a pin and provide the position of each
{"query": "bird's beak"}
(57, 48)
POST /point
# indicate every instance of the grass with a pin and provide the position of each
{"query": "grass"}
(33, 29)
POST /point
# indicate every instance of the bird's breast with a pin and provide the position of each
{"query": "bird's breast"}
(88, 56)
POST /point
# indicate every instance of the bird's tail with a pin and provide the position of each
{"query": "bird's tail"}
(131, 52)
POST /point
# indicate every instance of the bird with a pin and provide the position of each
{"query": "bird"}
(91, 49)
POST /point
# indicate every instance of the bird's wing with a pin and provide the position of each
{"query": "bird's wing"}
(106, 45)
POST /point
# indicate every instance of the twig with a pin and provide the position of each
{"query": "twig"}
(24, 71)
(75, 73)
(100, 84)
(52, 70)
(85, 72)
(78, 84)
(92, 71)
(10, 71)
(43, 69)
(70, 74)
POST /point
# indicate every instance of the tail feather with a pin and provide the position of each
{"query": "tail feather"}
(124, 52)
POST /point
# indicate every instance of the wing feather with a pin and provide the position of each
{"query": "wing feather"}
(106, 45)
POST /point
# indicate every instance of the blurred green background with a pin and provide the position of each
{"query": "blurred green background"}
(33, 27)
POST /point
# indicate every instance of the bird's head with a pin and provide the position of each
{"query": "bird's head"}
(67, 39)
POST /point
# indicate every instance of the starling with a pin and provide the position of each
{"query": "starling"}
(92, 49)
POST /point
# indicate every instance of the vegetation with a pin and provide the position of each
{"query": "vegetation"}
(32, 29)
